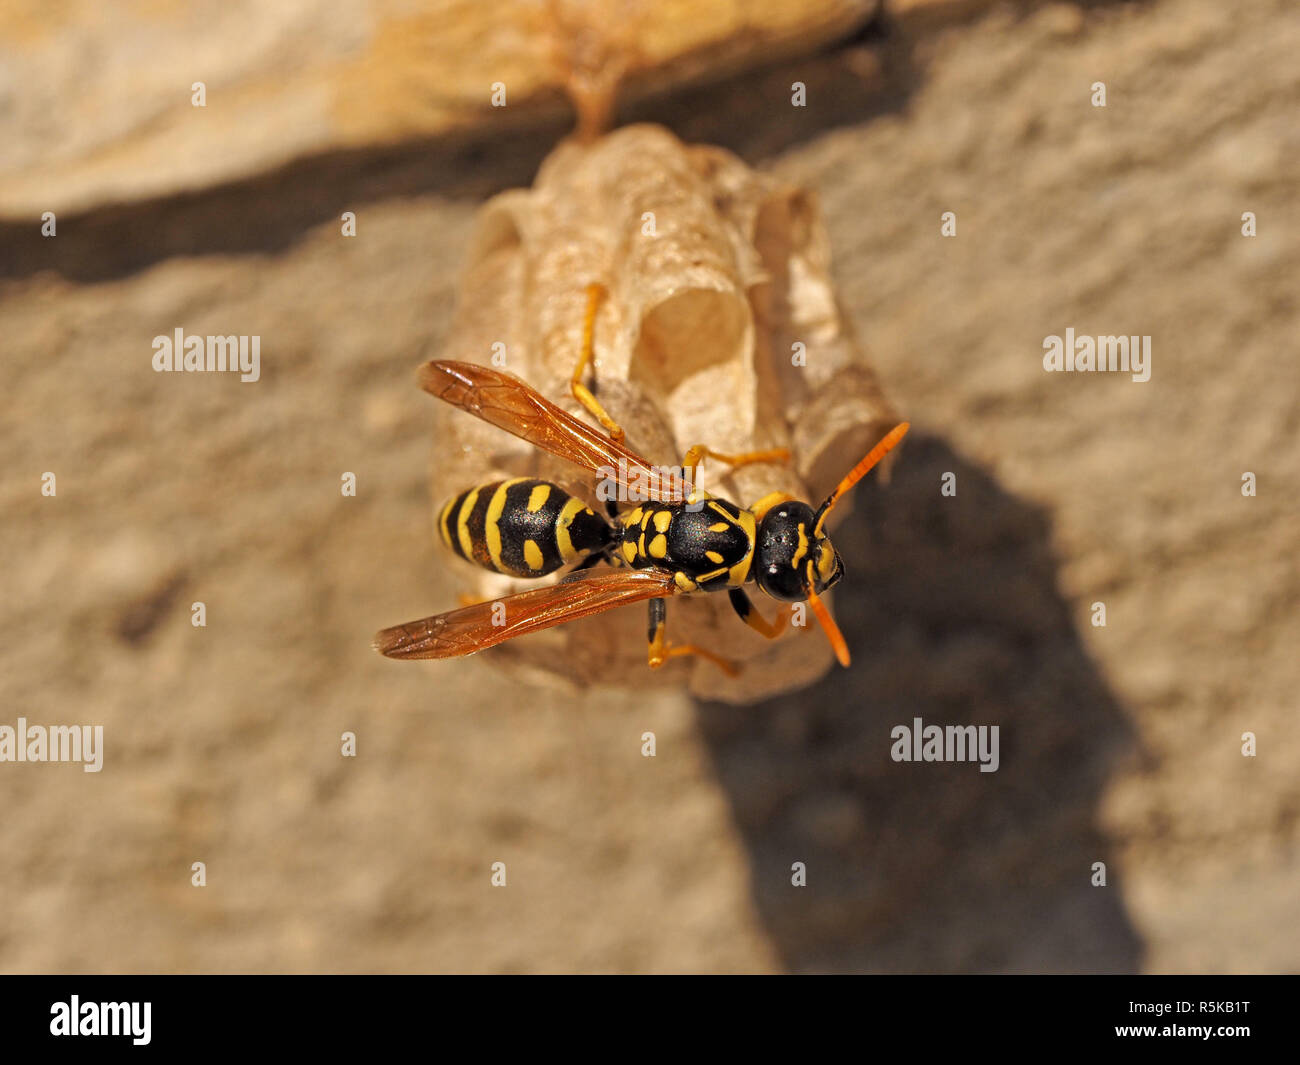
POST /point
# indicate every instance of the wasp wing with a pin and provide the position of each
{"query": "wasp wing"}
(472, 628)
(503, 400)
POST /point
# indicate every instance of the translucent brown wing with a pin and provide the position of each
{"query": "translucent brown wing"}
(472, 628)
(505, 401)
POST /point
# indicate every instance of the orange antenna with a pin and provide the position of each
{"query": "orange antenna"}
(828, 625)
(854, 475)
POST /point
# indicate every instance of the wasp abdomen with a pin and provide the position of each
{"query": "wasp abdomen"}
(523, 527)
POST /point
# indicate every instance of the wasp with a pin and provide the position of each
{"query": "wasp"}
(680, 541)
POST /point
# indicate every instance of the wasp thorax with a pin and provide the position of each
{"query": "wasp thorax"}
(790, 559)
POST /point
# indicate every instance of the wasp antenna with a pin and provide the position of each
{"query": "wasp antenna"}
(859, 471)
(829, 627)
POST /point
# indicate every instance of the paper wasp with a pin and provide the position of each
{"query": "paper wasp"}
(680, 541)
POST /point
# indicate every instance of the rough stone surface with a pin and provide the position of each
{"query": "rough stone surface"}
(1119, 744)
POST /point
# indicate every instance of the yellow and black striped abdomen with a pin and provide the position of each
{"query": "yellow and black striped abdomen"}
(523, 527)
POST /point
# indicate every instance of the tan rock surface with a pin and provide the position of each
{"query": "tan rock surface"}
(99, 97)
(1119, 744)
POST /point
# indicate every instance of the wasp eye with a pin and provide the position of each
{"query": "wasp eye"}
(827, 563)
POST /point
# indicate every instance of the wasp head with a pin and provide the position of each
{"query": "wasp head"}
(793, 559)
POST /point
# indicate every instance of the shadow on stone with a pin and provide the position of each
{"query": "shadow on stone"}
(953, 615)
(749, 113)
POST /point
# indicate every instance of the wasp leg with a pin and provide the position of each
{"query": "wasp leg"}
(699, 452)
(744, 609)
(584, 395)
(659, 654)
(769, 501)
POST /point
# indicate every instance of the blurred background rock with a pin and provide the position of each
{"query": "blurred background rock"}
(1119, 744)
